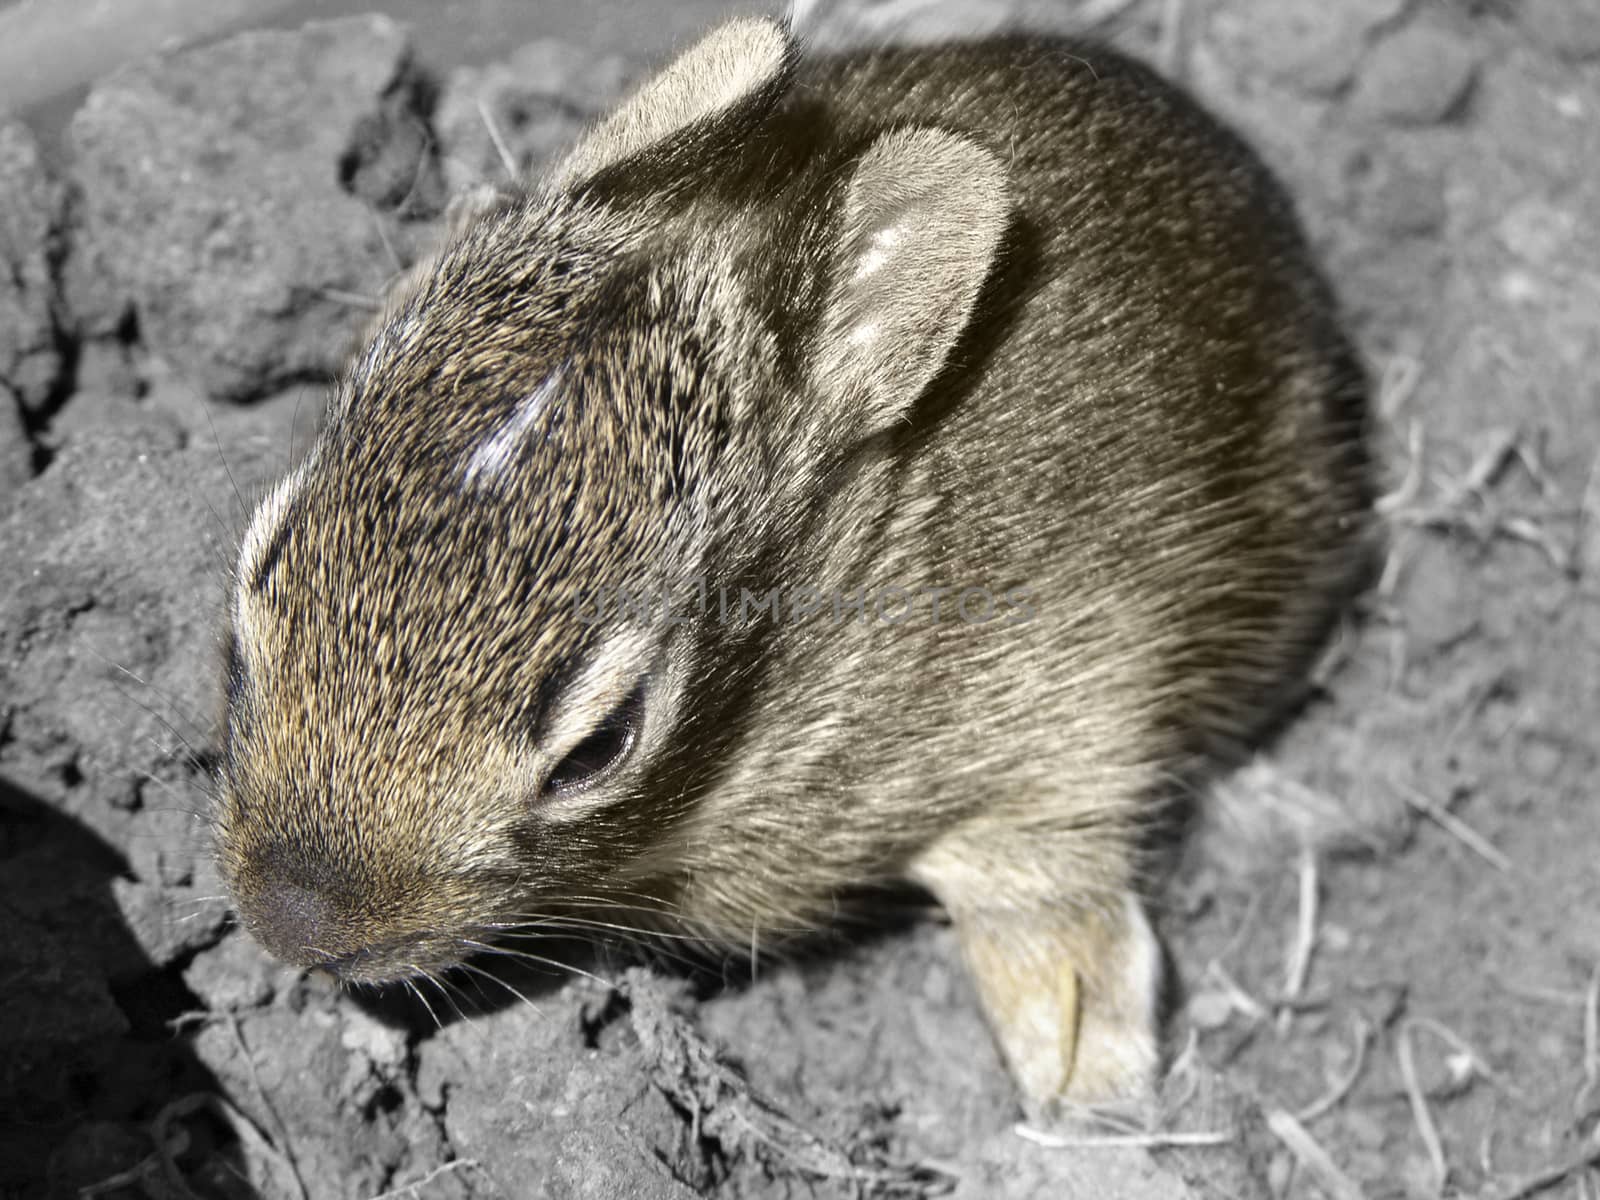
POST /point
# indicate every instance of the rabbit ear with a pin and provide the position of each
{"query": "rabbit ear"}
(920, 228)
(732, 72)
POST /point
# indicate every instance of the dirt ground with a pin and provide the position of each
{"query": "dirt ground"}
(1384, 933)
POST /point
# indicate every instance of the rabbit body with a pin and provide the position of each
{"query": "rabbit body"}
(907, 464)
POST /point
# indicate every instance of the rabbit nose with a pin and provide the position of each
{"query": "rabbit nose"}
(295, 924)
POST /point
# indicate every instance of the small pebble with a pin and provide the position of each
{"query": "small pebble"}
(1334, 939)
(1443, 600)
(1307, 45)
(1209, 1010)
(1541, 757)
(1420, 76)
(383, 1045)
(1539, 232)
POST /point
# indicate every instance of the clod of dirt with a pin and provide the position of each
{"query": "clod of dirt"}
(1307, 45)
(1570, 28)
(233, 975)
(1419, 76)
(749, 1130)
(215, 198)
(389, 160)
(108, 655)
(885, 1052)
(16, 454)
(330, 1115)
(545, 1115)
(535, 102)
(30, 358)
(1449, 608)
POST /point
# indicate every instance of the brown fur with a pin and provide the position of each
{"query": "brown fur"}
(1013, 315)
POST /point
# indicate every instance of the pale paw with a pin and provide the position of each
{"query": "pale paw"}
(1071, 997)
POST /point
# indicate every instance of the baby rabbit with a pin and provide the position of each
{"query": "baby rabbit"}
(906, 464)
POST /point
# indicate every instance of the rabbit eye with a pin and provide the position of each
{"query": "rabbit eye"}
(594, 757)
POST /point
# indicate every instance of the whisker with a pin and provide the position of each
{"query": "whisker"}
(169, 791)
(443, 991)
(575, 921)
(227, 470)
(294, 422)
(188, 746)
(684, 948)
(600, 947)
(147, 684)
(620, 902)
(480, 973)
(411, 984)
(536, 959)
(655, 928)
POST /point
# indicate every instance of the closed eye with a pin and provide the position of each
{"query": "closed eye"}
(607, 745)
